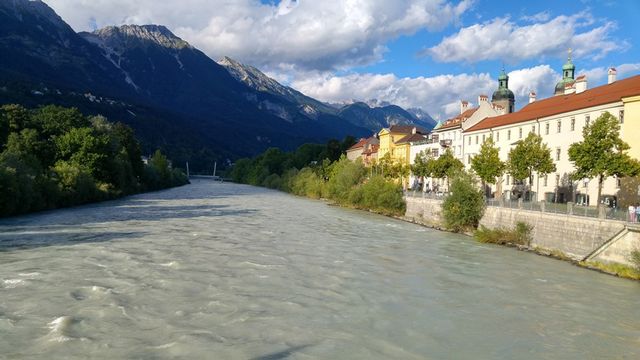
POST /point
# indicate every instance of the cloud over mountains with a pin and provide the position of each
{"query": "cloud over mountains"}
(319, 35)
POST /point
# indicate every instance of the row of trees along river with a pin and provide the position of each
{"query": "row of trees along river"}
(54, 157)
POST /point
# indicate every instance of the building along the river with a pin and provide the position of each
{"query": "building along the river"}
(365, 149)
(559, 120)
(390, 142)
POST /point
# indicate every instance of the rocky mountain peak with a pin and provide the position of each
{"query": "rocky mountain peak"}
(254, 78)
(33, 8)
(129, 35)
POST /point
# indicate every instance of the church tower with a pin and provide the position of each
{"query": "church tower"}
(503, 96)
(568, 76)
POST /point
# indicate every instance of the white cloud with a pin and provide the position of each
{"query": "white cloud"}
(439, 95)
(502, 39)
(539, 17)
(325, 35)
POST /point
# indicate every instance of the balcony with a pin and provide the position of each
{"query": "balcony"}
(445, 143)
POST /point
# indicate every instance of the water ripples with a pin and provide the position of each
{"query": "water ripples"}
(247, 273)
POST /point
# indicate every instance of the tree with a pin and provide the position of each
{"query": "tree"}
(463, 208)
(528, 156)
(487, 164)
(422, 164)
(602, 153)
(446, 166)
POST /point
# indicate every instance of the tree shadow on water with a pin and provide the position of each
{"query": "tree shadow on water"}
(281, 354)
(44, 237)
(130, 211)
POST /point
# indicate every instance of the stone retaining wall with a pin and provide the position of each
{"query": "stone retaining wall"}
(580, 238)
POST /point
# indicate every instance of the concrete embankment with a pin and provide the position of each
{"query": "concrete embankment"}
(579, 238)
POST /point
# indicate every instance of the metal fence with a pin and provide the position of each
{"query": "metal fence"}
(541, 206)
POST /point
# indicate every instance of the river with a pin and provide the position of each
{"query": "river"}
(225, 271)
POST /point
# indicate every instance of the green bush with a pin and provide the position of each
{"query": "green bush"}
(463, 208)
(519, 235)
(635, 259)
(383, 196)
(343, 177)
(308, 184)
(272, 181)
(53, 156)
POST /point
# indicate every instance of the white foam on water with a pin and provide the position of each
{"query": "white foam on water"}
(32, 275)
(171, 264)
(59, 328)
(13, 283)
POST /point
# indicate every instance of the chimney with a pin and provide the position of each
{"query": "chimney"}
(612, 75)
(482, 98)
(532, 97)
(581, 84)
(414, 130)
(464, 105)
(569, 89)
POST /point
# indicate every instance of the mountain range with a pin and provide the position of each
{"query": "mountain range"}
(172, 94)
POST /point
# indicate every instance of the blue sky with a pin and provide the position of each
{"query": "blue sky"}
(414, 53)
(402, 57)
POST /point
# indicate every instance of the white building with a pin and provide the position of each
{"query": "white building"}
(559, 120)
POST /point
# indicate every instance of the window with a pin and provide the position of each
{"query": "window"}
(508, 179)
(455, 134)
(520, 133)
(587, 120)
(546, 129)
(533, 129)
(508, 134)
(573, 124)
(546, 180)
(617, 183)
(483, 138)
(621, 116)
(558, 152)
(434, 152)
(557, 179)
(559, 126)
(497, 135)
(469, 140)
(476, 139)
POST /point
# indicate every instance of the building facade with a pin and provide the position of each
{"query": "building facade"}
(559, 120)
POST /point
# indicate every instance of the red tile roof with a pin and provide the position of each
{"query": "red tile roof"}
(359, 144)
(453, 122)
(412, 138)
(600, 95)
(372, 150)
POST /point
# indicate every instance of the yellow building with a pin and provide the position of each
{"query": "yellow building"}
(631, 124)
(395, 142)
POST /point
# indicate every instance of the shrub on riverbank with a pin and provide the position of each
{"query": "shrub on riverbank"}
(635, 259)
(519, 235)
(343, 181)
(54, 156)
(463, 208)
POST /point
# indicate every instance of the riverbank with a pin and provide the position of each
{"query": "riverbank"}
(595, 244)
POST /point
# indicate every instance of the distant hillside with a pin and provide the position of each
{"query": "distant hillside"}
(289, 103)
(174, 90)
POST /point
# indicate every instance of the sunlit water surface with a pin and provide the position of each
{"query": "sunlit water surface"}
(221, 271)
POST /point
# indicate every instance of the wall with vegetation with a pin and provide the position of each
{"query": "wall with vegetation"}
(579, 238)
